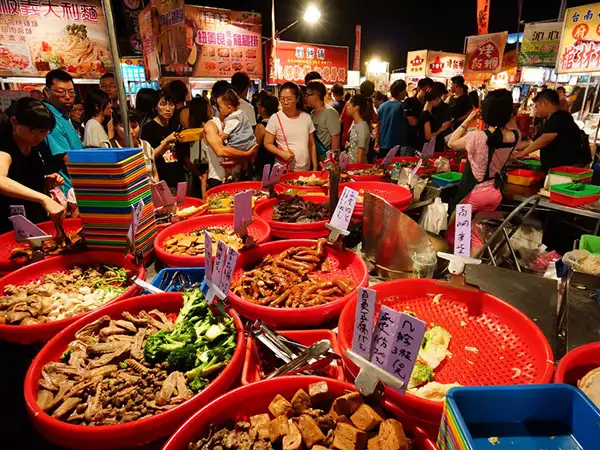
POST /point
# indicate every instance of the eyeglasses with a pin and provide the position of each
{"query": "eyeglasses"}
(287, 99)
(108, 86)
(63, 93)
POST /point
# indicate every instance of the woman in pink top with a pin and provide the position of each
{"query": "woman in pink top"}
(488, 151)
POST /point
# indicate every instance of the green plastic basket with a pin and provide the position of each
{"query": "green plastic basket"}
(447, 178)
(533, 164)
(590, 243)
(576, 189)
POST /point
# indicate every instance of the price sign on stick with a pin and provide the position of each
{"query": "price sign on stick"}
(344, 160)
(385, 335)
(363, 322)
(405, 348)
(242, 209)
(343, 213)
(181, 191)
(24, 229)
(16, 210)
(429, 148)
(219, 263)
(228, 268)
(462, 234)
(136, 216)
(161, 194)
(271, 177)
(207, 256)
(390, 156)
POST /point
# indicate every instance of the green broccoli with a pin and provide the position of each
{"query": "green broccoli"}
(421, 374)
(183, 359)
(194, 306)
(210, 361)
(66, 355)
(159, 345)
(197, 384)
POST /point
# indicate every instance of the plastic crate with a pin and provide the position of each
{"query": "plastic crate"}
(520, 417)
(101, 155)
(523, 177)
(590, 243)
(574, 173)
(446, 179)
(165, 276)
(574, 194)
(533, 164)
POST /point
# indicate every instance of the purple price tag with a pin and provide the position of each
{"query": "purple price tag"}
(391, 154)
(344, 209)
(208, 265)
(265, 176)
(136, 216)
(156, 197)
(429, 148)
(162, 192)
(405, 348)
(242, 209)
(385, 334)
(462, 234)
(344, 160)
(219, 263)
(228, 268)
(25, 229)
(181, 191)
(276, 173)
(16, 210)
(363, 322)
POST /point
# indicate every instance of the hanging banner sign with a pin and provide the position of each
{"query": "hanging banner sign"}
(358, 32)
(580, 41)
(540, 45)
(483, 16)
(39, 36)
(416, 63)
(149, 32)
(444, 65)
(510, 71)
(295, 59)
(484, 53)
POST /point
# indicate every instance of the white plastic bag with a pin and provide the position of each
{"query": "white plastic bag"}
(435, 217)
(442, 165)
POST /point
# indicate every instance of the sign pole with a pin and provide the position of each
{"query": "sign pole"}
(114, 52)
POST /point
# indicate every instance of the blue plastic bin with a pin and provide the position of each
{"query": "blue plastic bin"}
(165, 276)
(532, 417)
(101, 155)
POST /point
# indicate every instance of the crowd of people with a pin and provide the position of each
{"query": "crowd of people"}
(297, 129)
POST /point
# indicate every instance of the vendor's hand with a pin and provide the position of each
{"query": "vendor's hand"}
(55, 210)
(446, 125)
(286, 155)
(475, 114)
(377, 147)
(53, 180)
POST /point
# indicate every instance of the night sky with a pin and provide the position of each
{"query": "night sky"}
(392, 28)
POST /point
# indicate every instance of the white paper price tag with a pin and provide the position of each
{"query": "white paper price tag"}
(219, 263)
(363, 322)
(385, 335)
(228, 268)
(462, 233)
(207, 256)
(344, 209)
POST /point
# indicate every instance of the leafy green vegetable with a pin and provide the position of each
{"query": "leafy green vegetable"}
(66, 355)
(421, 374)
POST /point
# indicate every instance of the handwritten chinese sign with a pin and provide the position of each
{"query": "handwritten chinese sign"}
(483, 16)
(37, 36)
(385, 336)
(409, 335)
(462, 238)
(580, 40)
(344, 209)
(242, 209)
(136, 216)
(484, 53)
(271, 177)
(363, 322)
(208, 264)
(540, 45)
(24, 228)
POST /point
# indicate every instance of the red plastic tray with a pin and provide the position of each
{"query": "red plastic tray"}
(504, 336)
(281, 234)
(395, 195)
(524, 177)
(258, 229)
(296, 175)
(189, 201)
(255, 399)
(251, 374)
(8, 243)
(342, 264)
(351, 167)
(233, 188)
(28, 334)
(577, 363)
(400, 159)
(140, 431)
(265, 212)
(568, 200)
(578, 172)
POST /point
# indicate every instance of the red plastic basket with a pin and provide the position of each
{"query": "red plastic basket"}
(265, 212)
(523, 177)
(577, 363)
(342, 264)
(258, 229)
(395, 195)
(281, 234)
(504, 336)
(400, 159)
(189, 201)
(569, 200)
(8, 243)
(351, 167)
(233, 188)
(140, 431)
(289, 176)
(255, 398)
(251, 373)
(28, 334)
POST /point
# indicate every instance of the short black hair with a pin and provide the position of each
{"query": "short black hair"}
(219, 88)
(437, 90)
(474, 96)
(397, 88)
(497, 108)
(548, 95)
(310, 76)
(318, 87)
(380, 96)
(425, 83)
(240, 82)
(361, 101)
(458, 79)
(145, 102)
(132, 115)
(179, 91)
(561, 89)
(231, 97)
(57, 75)
(107, 75)
(367, 88)
(337, 89)
(166, 94)
(269, 102)
(296, 89)
(33, 114)
(95, 101)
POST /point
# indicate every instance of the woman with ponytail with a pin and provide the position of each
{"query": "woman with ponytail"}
(488, 151)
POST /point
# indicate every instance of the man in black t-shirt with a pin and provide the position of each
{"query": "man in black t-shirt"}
(461, 104)
(560, 141)
(413, 107)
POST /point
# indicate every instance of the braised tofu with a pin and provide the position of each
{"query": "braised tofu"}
(293, 440)
(319, 447)
(365, 418)
(373, 443)
(280, 406)
(346, 437)
(310, 431)
(346, 405)
(260, 425)
(391, 436)
(278, 428)
(319, 392)
(301, 402)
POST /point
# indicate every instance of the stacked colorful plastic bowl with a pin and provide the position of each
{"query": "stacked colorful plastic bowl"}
(107, 183)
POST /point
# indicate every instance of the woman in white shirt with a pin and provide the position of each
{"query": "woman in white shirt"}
(97, 107)
(293, 131)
